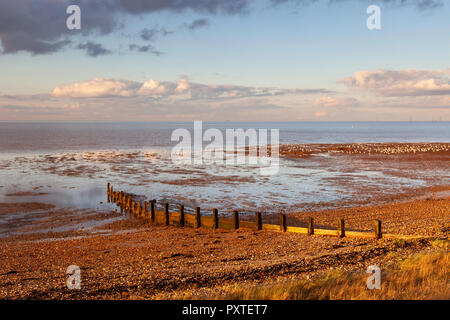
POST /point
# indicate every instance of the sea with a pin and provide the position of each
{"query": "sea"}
(69, 164)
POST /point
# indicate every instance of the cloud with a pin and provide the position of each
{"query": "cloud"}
(100, 87)
(94, 49)
(152, 34)
(95, 88)
(147, 48)
(409, 82)
(19, 41)
(39, 26)
(197, 24)
(328, 101)
(154, 87)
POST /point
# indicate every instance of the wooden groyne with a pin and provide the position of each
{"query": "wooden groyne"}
(147, 210)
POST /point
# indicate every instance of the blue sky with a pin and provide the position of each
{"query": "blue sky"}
(288, 46)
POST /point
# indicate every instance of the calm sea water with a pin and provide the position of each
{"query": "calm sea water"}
(68, 164)
(46, 137)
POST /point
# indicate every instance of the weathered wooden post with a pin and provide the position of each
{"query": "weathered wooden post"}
(215, 219)
(283, 226)
(166, 214)
(198, 221)
(258, 221)
(145, 210)
(122, 201)
(133, 207)
(108, 192)
(236, 219)
(111, 194)
(378, 233)
(129, 204)
(341, 228)
(181, 215)
(152, 211)
(139, 209)
(310, 226)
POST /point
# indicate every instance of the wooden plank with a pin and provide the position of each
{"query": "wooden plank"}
(229, 224)
(296, 229)
(248, 225)
(189, 220)
(271, 227)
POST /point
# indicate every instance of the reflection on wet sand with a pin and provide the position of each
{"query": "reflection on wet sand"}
(331, 176)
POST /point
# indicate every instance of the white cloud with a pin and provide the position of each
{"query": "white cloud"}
(409, 82)
(182, 86)
(155, 88)
(98, 87)
(328, 101)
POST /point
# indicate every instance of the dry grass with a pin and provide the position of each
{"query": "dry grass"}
(421, 276)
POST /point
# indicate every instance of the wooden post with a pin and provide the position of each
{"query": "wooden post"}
(181, 215)
(108, 192)
(378, 233)
(258, 221)
(133, 208)
(198, 221)
(152, 211)
(122, 202)
(215, 219)
(341, 228)
(145, 210)
(111, 194)
(129, 204)
(310, 226)
(283, 226)
(138, 209)
(236, 219)
(166, 213)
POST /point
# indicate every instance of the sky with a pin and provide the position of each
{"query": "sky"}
(218, 60)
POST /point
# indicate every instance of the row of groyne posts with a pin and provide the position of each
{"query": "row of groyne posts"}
(147, 210)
